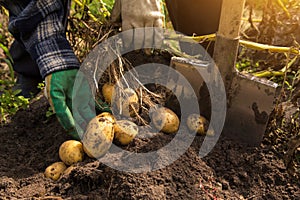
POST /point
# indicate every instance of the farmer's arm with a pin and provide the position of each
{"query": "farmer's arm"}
(38, 25)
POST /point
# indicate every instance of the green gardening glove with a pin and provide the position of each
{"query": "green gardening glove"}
(59, 90)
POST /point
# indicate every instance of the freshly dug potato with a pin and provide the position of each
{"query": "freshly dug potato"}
(98, 136)
(165, 120)
(107, 91)
(197, 123)
(128, 103)
(55, 170)
(71, 152)
(125, 131)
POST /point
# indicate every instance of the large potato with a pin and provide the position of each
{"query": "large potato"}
(71, 152)
(98, 136)
(165, 120)
(128, 102)
(197, 123)
(108, 91)
(125, 131)
(55, 170)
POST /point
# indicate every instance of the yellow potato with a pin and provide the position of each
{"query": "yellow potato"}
(71, 152)
(165, 120)
(107, 91)
(125, 131)
(98, 136)
(128, 103)
(197, 123)
(55, 170)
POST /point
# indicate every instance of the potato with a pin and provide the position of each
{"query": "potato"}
(55, 170)
(125, 131)
(107, 91)
(98, 136)
(198, 124)
(128, 103)
(71, 152)
(165, 120)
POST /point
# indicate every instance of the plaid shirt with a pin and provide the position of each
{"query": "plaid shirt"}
(39, 26)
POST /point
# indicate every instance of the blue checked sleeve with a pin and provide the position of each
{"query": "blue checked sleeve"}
(39, 26)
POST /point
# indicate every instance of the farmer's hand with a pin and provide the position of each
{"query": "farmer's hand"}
(139, 14)
(59, 89)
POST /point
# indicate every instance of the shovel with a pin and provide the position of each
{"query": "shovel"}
(250, 100)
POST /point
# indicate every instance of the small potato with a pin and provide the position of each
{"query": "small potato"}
(198, 124)
(55, 170)
(165, 120)
(98, 136)
(71, 152)
(108, 91)
(125, 131)
(128, 103)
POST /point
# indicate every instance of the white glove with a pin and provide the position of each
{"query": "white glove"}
(139, 14)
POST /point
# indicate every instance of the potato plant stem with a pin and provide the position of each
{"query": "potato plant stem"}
(248, 44)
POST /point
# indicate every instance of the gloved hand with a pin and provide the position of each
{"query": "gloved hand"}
(59, 91)
(139, 14)
(40, 27)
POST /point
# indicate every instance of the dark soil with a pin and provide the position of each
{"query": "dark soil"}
(30, 142)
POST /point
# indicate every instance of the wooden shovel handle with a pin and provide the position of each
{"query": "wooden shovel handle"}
(227, 39)
(230, 20)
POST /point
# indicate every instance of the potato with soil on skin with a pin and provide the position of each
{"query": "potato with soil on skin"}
(98, 136)
(125, 131)
(71, 152)
(128, 102)
(55, 170)
(198, 124)
(108, 91)
(165, 120)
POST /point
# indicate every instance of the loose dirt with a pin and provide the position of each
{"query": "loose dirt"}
(30, 142)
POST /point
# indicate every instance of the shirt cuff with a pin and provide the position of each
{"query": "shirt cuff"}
(54, 54)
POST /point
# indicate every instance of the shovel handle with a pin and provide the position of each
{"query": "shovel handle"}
(230, 20)
(227, 39)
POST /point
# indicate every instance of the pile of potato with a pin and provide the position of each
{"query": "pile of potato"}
(98, 138)
(103, 129)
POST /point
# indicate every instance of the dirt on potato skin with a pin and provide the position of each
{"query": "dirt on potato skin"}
(30, 142)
